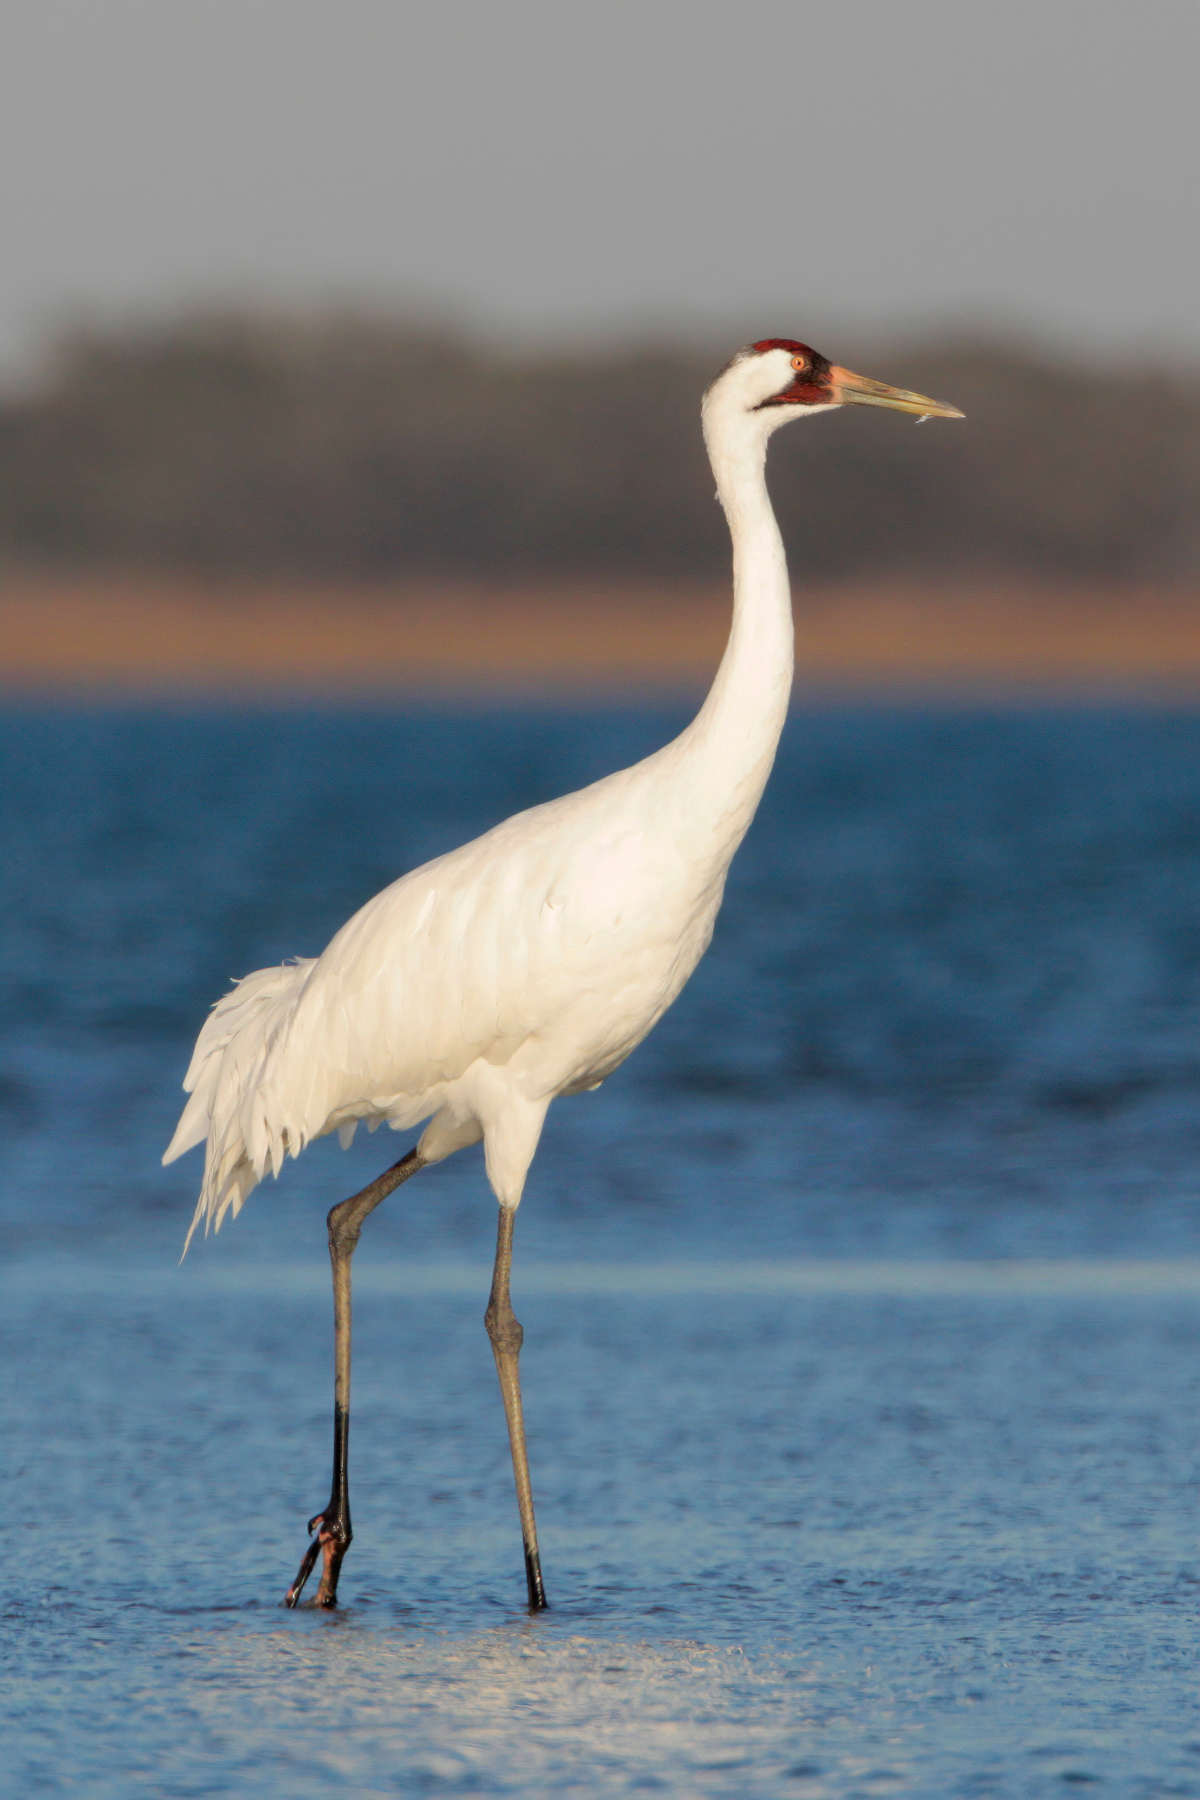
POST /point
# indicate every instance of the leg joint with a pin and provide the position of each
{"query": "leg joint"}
(504, 1328)
(344, 1231)
(335, 1529)
(345, 1220)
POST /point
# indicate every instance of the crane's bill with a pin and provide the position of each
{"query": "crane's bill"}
(850, 389)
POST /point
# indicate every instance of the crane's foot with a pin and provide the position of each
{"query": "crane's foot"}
(331, 1535)
(534, 1582)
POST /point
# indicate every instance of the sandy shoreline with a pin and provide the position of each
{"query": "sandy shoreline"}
(160, 635)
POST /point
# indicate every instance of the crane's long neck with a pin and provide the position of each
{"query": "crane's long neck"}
(734, 736)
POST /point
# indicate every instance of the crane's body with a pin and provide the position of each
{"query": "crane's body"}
(530, 962)
(471, 992)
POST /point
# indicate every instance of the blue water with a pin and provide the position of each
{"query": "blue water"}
(862, 1306)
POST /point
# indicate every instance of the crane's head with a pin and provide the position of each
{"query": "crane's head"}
(780, 379)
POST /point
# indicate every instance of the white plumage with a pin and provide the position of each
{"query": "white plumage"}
(471, 992)
(531, 961)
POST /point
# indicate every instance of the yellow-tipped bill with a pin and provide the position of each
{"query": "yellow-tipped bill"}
(849, 389)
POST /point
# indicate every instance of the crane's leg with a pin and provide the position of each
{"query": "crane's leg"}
(504, 1329)
(331, 1527)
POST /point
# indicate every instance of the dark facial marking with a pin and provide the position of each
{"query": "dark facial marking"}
(812, 384)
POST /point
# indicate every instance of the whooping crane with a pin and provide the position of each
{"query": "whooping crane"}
(530, 962)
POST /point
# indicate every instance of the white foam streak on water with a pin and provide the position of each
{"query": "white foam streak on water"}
(1096, 1277)
(1053, 1278)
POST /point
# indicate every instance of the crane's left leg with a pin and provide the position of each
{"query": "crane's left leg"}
(504, 1329)
(331, 1528)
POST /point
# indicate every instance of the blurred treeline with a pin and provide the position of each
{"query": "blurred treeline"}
(353, 445)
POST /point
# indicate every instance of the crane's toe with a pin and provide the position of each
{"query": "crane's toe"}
(331, 1537)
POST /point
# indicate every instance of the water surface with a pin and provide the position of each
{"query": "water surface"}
(861, 1306)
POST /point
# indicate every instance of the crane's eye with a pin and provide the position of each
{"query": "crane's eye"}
(800, 363)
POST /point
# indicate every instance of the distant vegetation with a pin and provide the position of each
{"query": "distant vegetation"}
(357, 446)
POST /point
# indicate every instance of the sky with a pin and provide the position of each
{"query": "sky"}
(545, 170)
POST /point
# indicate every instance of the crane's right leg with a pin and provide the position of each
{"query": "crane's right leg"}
(331, 1528)
(504, 1329)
